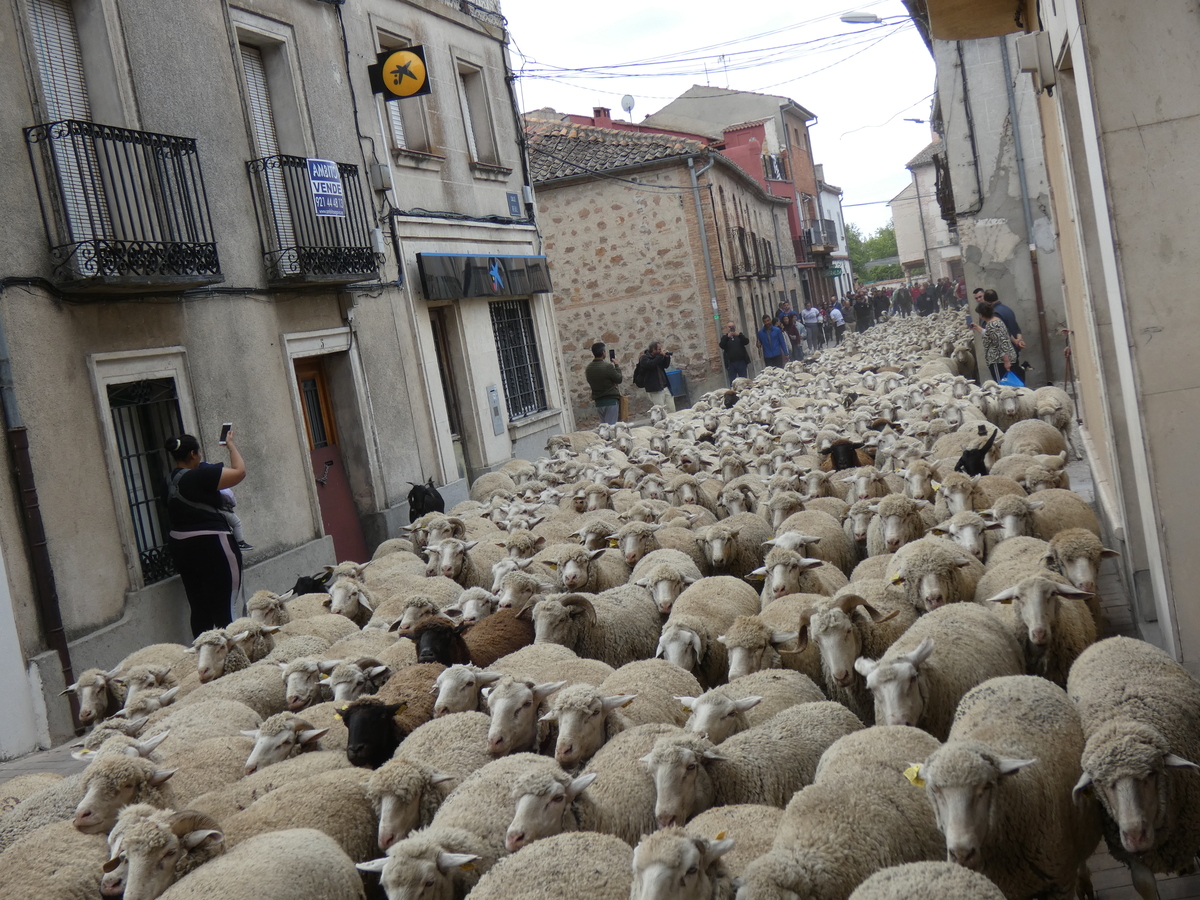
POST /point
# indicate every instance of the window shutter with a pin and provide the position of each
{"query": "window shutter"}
(265, 139)
(397, 121)
(59, 60)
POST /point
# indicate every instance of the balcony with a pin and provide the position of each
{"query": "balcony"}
(124, 210)
(304, 244)
(821, 235)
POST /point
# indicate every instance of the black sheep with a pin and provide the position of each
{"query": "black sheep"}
(973, 462)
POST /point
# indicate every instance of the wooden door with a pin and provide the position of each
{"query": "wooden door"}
(338, 513)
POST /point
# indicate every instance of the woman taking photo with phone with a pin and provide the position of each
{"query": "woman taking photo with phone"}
(205, 553)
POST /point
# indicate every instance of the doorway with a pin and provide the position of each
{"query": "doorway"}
(439, 320)
(338, 513)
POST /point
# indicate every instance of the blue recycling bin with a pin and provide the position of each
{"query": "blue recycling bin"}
(677, 382)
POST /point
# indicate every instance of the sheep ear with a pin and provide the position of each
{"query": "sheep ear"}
(249, 734)
(447, 861)
(580, 784)
(747, 703)
(270, 629)
(1005, 596)
(713, 849)
(551, 716)
(542, 691)
(488, 677)
(760, 572)
(194, 839)
(150, 744)
(920, 653)
(282, 666)
(939, 530)
(1109, 554)
(374, 865)
(1069, 590)
(617, 702)
(310, 735)
(962, 561)
(1034, 504)
(1083, 784)
(1008, 766)
(687, 702)
(70, 687)
(160, 776)
(643, 582)
(721, 639)
(712, 754)
(782, 637)
(897, 579)
(921, 504)
(1178, 762)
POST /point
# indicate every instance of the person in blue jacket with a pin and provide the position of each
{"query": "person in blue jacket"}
(770, 339)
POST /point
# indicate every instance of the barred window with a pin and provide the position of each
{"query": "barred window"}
(144, 415)
(520, 367)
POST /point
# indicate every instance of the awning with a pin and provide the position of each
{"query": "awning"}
(454, 276)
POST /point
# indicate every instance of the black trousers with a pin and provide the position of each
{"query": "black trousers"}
(210, 566)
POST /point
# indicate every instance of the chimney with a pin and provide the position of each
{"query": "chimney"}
(602, 116)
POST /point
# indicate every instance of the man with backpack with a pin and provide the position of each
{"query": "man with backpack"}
(651, 375)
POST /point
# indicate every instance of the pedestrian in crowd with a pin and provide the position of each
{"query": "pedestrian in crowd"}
(791, 331)
(604, 378)
(651, 374)
(997, 348)
(785, 309)
(812, 324)
(733, 348)
(770, 340)
(880, 306)
(848, 313)
(206, 556)
(862, 312)
(960, 293)
(902, 301)
(1009, 318)
(838, 319)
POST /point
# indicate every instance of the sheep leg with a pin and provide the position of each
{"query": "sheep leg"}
(1083, 888)
(1143, 881)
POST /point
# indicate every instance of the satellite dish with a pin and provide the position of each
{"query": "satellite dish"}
(627, 105)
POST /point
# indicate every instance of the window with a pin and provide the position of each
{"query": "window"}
(59, 60)
(144, 414)
(477, 118)
(520, 367)
(405, 117)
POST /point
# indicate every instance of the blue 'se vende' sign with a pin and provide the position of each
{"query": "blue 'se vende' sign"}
(329, 199)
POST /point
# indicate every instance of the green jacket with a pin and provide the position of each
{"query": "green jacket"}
(603, 378)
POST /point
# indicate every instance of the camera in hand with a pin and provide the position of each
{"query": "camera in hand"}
(225, 433)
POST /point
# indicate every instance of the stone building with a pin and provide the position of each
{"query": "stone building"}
(222, 222)
(626, 244)
(1116, 112)
(927, 245)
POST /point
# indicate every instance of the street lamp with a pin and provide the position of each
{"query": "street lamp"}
(861, 18)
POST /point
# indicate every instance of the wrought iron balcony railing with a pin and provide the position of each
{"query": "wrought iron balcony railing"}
(303, 243)
(124, 210)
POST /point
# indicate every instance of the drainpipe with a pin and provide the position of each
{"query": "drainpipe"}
(45, 592)
(1033, 257)
(708, 269)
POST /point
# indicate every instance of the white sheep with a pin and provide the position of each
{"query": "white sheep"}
(768, 640)
(1044, 515)
(786, 572)
(302, 680)
(1051, 622)
(927, 881)
(219, 652)
(863, 619)
(665, 574)
(944, 654)
(1032, 437)
(1001, 786)
(765, 764)
(674, 865)
(592, 571)
(1056, 408)
(935, 572)
(1137, 707)
(616, 627)
(297, 862)
(734, 546)
(563, 867)
(150, 849)
(112, 781)
(968, 529)
(897, 522)
(637, 539)
(280, 737)
(514, 706)
(467, 562)
(817, 534)
(54, 861)
(747, 701)
(701, 614)
(460, 689)
(751, 827)
(1076, 553)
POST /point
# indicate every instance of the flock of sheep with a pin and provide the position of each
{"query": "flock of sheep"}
(775, 647)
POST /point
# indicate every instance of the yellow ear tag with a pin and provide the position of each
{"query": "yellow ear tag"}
(324, 677)
(612, 542)
(897, 579)
(937, 485)
(720, 837)
(913, 774)
(467, 867)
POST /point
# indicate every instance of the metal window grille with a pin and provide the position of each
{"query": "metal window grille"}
(144, 415)
(311, 395)
(520, 366)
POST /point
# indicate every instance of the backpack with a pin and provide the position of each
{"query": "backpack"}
(424, 498)
(639, 375)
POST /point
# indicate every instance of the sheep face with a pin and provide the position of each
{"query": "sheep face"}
(680, 646)
(502, 567)
(674, 866)
(719, 544)
(681, 785)
(839, 643)
(348, 683)
(859, 520)
(371, 732)
(664, 586)
(597, 498)
(142, 678)
(918, 483)
(635, 543)
(785, 575)
(895, 531)
(301, 684)
(746, 658)
(458, 689)
(413, 616)
(581, 726)
(962, 780)
(732, 467)
(735, 501)
(544, 814)
(474, 608)
(144, 858)
(555, 623)
(574, 571)
(1014, 516)
(959, 495)
(92, 692)
(715, 717)
(816, 484)
(275, 744)
(439, 640)
(451, 557)
(1036, 601)
(211, 655)
(104, 796)
(897, 686)
(867, 484)
(349, 598)
(427, 873)
(516, 591)
(968, 531)
(513, 707)
(1080, 564)
(781, 510)
(652, 487)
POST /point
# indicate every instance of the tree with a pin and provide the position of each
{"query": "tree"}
(880, 245)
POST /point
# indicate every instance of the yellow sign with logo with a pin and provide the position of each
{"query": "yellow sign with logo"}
(400, 73)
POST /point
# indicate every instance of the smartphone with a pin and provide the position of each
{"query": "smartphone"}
(612, 355)
(970, 321)
(224, 432)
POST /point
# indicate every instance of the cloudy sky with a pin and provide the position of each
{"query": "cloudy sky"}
(862, 81)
